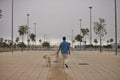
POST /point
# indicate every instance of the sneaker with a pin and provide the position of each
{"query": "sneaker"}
(66, 65)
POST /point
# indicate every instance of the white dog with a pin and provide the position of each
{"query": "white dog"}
(48, 60)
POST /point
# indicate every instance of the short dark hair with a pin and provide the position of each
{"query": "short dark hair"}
(64, 38)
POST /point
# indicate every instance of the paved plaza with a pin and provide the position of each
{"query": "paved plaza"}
(83, 65)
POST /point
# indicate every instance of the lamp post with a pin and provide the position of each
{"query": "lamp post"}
(80, 32)
(115, 28)
(72, 41)
(12, 27)
(28, 29)
(90, 26)
(35, 32)
(80, 25)
(44, 37)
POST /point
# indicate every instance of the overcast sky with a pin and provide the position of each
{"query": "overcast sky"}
(57, 18)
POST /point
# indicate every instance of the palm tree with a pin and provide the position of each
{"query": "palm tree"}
(17, 40)
(95, 41)
(10, 42)
(5, 41)
(0, 13)
(22, 31)
(32, 37)
(46, 44)
(28, 40)
(100, 30)
(111, 41)
(1, 40)
(40, 41)
(79, 38)
(84, 33)
(108, 42)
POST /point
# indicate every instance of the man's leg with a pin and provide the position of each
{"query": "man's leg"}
(65, 59)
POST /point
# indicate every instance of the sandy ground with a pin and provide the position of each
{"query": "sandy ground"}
(84, 65)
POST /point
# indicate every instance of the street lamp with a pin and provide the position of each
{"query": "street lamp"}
(80, 32)
(35, 32)
(115, 28)
(90, 26)
(80, 26)
(72, 40)
(28, 29)
(12, 27)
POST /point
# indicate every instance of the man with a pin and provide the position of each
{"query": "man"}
(65, 50)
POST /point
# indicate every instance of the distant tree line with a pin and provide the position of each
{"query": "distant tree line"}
(100, 30)
(22, 30)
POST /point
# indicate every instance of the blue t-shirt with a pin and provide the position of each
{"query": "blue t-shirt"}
(64, 46)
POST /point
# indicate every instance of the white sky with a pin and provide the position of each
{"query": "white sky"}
(57, 18)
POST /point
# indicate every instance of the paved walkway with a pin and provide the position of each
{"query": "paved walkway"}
(83, 65)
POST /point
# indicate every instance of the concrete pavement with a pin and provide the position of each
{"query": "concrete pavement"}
(83, 65)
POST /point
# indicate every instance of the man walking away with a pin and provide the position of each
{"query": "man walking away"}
(65, 50)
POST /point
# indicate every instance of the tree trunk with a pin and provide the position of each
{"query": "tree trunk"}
(80, 45)
(100, 44)
(22, 43)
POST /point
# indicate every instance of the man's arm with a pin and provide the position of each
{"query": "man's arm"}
(69, 50)
(58, 51)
